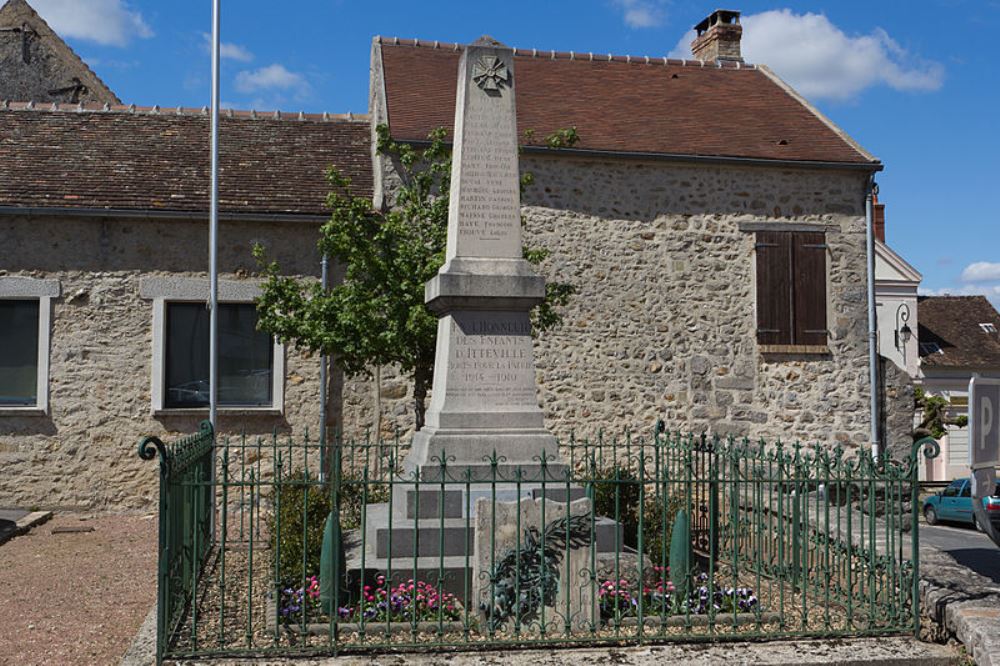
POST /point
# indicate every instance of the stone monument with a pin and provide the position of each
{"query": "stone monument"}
(484, 404)
(484, 397)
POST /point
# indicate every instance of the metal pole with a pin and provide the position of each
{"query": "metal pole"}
(213, 251)
(323, 365)
(872, 322)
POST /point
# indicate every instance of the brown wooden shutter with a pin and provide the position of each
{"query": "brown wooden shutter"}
(809, 272)
(774, 288)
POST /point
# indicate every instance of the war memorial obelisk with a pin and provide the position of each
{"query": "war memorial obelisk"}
(484, 406)
(484, 399)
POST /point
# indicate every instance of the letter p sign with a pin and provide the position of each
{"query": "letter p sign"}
(984, 422)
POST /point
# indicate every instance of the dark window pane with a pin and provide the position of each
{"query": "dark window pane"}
(18, 352)
(245, 357)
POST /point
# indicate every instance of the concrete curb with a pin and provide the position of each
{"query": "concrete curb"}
(964, 603)
(888, 651)
(142, 651)
(24, 524)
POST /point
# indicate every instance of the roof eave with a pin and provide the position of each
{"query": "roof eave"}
(682, 157)
(155, 214)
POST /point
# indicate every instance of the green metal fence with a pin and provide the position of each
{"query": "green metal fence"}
(623, 541)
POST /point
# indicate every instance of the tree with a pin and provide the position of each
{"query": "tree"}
(376, 315)
(935, 416)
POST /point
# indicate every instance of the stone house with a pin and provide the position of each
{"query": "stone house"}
(38, 66)
(712, 221)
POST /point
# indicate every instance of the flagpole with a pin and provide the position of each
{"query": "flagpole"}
(213, 251)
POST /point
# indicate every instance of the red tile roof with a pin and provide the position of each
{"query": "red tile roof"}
(622, 104)
(953, 324)
(148, 159)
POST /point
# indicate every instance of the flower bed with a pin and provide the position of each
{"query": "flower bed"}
(622, 598)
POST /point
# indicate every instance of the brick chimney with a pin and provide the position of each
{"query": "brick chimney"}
(878, 218)
(718, 37)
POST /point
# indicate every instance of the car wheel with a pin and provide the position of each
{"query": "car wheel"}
(931, 515)
(975, 523)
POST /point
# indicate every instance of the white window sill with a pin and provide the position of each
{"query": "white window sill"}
(22, 411)
(224, 411)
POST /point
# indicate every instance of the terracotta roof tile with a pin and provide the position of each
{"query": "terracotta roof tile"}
(953, 324)
(146, 158)
(622, 103)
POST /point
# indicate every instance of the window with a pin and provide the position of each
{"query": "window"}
(791, 288)
(246, 357)
(251, 363)
(953, 488)
(25, 307)
(966, 490)
(19, 353)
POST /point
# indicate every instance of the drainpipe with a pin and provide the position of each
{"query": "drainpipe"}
(872, 189)
(323, 366)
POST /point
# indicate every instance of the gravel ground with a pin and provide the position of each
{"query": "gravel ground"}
(76, 598)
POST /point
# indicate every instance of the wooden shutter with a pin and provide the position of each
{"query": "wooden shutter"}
(774, 288)
(809, 272)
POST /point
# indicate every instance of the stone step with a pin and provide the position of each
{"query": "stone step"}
(433, 537)
(432, 500)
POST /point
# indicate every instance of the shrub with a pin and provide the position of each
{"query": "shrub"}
(291, 496)
(658, 513)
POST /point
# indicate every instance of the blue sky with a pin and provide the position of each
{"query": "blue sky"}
(914, 82)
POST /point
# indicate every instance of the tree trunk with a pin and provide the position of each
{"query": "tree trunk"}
(421, 382)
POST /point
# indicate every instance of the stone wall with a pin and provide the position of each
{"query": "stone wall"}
(82, 454)
(663, 324)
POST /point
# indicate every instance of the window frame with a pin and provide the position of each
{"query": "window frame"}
(17, 288)
(162, 291)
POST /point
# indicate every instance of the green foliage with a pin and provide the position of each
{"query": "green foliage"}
(299, 502)
(935, 415)
(562, 138)
(616, 495)
(658, 526)
(376, 315)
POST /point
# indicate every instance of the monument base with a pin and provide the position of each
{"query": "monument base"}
(458, 455)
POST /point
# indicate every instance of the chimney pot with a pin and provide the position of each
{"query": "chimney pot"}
(718, 37)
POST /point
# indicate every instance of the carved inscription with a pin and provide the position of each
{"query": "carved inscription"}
(492, 360)
(489, 198)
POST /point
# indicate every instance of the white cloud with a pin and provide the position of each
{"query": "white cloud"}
(272, 77)
(822, 62)
(228, 50)
(981, 271)
(642, 13)
(107, 22)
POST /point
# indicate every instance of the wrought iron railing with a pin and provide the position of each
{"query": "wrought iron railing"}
(623, 541)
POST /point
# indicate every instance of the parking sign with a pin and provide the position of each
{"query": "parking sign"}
(984, 422)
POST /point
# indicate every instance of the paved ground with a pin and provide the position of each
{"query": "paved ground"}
(8, 521)
(969, 547)
(78, 597)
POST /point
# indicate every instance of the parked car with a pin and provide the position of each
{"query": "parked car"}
(954, 503)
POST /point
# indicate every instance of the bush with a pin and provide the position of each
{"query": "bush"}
(657, 516)
(294, 493)
(293, 496)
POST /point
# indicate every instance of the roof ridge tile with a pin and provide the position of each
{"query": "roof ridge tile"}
(135, 110)
(551, 54)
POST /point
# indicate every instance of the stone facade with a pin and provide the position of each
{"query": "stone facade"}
(664, 324)
(36, 65)
(81, 455)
